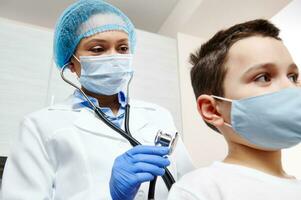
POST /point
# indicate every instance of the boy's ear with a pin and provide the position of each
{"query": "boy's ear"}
(208, 109)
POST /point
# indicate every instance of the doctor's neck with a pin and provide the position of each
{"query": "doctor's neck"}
(105, 101)
(266, 161)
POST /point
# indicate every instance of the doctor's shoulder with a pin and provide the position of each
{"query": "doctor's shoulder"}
(49, 119)
(139, 104)
(151, 110)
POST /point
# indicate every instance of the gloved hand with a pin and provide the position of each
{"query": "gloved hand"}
(137, 165)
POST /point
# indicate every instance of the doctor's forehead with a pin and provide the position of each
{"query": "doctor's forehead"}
(108, 36)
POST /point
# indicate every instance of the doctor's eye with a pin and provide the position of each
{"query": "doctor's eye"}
(97, 49)
(123, 49)
(293, 77)
(263, 78)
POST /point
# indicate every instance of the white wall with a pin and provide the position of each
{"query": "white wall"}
(204, 145)
(28, 79)
(288, 20)
(25, 56)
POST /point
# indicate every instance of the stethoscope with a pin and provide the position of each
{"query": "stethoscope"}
(163, 139)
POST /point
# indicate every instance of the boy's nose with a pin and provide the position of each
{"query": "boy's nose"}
(286, 82)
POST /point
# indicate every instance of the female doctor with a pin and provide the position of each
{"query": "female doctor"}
(64, 151)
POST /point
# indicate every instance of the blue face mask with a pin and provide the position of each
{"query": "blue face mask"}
(271, 121)
(107, 75)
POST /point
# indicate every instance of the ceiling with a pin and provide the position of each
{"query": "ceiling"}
(199, 18)
(222, 15)
(205, 17)
(148, 15)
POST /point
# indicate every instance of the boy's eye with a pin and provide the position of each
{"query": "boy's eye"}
(263, 78)
(293, 77)
(97, 49)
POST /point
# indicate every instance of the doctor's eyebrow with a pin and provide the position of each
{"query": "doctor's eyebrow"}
(123, 40)
(104, 41)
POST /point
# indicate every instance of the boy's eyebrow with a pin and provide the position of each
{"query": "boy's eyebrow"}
(294, 66)
(267, 65)
(258, 66)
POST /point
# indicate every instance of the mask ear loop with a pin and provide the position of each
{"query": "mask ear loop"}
(222, 98)
(77, 77)
(76, 58)
(227, 100)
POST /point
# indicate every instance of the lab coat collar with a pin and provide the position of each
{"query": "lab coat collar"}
(90, 123)
(80, 101)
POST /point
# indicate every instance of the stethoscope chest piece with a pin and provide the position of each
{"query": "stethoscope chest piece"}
(166, 140)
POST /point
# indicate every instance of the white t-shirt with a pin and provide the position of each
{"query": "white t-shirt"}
(222, 181)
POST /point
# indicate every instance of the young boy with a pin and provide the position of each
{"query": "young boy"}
(246, 85)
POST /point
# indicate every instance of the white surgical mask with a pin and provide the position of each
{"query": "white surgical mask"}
(107, 75)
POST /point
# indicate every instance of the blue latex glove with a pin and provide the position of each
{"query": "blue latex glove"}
(139, 164)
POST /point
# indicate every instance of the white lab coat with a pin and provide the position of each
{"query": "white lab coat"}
(64, 153)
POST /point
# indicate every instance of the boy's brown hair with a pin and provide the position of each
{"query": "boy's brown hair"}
(208, 71)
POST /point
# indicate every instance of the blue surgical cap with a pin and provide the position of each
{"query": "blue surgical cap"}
(83, 19)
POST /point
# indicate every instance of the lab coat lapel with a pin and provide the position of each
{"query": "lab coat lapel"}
(140, 125)
(137, 120)
(89, 122)
(92, 124)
